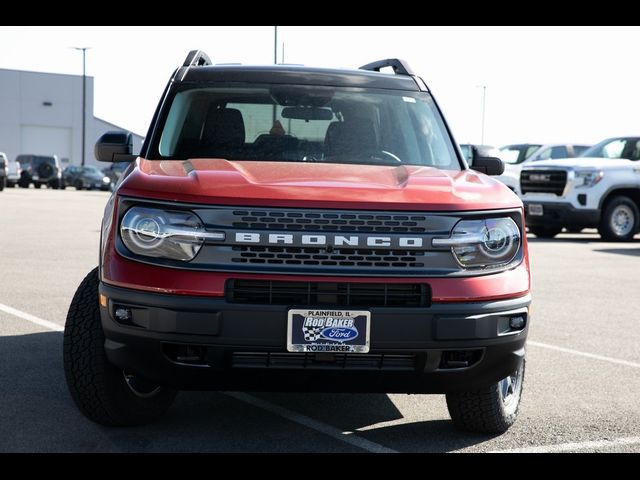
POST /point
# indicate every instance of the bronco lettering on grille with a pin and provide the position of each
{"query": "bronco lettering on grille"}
(372, 241)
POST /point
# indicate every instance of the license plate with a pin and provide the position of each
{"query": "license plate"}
(535, 209)
(340, 331)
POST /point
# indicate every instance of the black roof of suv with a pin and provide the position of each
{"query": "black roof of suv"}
(366, 76)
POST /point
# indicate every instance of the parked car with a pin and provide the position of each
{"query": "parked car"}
(4, 170)
(511, 175)
(40, 170)
(115, 170)
(87, 177)
(13, 173)
(600, 189)
(353, 251)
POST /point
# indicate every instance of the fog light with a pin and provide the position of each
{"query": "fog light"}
(517, 323)
(123, 314)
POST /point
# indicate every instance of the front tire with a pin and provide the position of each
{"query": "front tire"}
(545, 232)
(3, 183)
(619, 222)
(492, 409)
(104, 393)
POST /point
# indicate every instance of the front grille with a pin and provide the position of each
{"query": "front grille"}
(314, 361)
(315, 294)
(338, 221)
(543, 181)
(336, 257)
(314, 241)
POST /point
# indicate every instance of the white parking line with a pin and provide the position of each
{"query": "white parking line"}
(346, 437)
(569, 447)
(584, 354)
(31, 318)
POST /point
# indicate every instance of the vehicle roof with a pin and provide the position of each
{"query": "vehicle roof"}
(516, 145)
(294, 74)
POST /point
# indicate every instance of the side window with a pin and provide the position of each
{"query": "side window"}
(614, 149)
(579, 150)
(543, 155)
(635, 151)
(559, 152)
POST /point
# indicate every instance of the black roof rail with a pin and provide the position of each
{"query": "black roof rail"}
(196, 58)
(400, 67)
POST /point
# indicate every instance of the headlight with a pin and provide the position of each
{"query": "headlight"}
(488, 243)
(588, 178)
(164, 234)
(106, 180)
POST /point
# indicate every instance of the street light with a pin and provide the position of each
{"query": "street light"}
(84, 96)
(484, 102)
(275, 44)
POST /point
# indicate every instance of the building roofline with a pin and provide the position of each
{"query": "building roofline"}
(42, 73)
(117, 126)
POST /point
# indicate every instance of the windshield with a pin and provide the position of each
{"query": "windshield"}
(307, 124)
(628, 148)
(467, 152)
(517, 153)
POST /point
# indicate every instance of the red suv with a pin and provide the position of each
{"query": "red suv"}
(301, 229)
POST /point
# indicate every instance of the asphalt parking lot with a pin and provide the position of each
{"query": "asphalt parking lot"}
(581, 389)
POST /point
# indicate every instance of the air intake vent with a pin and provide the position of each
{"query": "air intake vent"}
(328, 293)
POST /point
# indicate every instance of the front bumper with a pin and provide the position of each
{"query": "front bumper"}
(559, 214)
(243, 347)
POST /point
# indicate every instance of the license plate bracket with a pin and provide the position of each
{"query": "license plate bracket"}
(535, 209)
(327, 330)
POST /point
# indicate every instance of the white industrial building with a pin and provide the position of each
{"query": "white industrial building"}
(41, 114)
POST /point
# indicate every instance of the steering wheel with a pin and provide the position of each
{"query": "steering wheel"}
(386, 155)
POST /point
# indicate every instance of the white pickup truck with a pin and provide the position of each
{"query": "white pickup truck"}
(600, 189)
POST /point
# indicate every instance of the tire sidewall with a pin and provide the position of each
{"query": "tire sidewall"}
(606, 230)
(99, 388)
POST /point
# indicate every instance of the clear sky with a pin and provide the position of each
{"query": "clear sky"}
(543, 84)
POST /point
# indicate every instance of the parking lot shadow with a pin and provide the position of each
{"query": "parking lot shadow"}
(574, 238)
(37, 414)
(634, 252)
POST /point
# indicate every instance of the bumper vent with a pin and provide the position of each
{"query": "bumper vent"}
(316, 294)
(360, 361)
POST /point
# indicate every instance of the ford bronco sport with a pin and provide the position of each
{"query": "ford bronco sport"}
(301, 229)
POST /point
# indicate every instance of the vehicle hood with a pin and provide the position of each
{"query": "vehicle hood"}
(329, 185)
(580, 162)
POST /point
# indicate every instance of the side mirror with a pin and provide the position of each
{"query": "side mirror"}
(115, 146)
(487, 165)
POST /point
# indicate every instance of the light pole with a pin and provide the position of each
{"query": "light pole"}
(275, 62)
(84, 97)
(484, 103)
(275, 44)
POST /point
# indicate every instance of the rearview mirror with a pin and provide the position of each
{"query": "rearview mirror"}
(307, 113)
(487, 165)
(115, 146)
